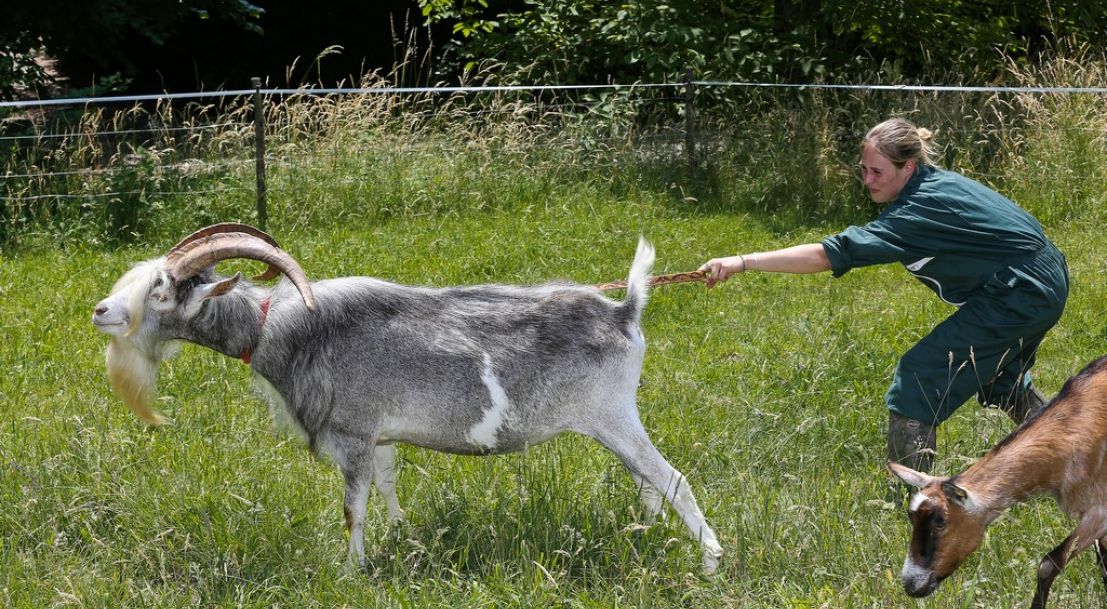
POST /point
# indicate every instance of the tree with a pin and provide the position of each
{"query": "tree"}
(589, 41)
(152, 45)
(93, 34)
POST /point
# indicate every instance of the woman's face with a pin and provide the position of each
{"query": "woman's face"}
(881, 176)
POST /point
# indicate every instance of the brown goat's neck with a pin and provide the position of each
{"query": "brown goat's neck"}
(1023, 466)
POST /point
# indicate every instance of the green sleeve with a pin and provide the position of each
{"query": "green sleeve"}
(881, 241)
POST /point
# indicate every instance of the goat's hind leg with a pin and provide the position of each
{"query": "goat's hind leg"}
(650, 498)
(1090, 531)
(1101, 556)
(634, 448)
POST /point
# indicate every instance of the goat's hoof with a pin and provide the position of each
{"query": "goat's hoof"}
(711, 561)
(353, 567)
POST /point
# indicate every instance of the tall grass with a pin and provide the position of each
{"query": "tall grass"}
(765, 392)
(793, 153)
(154, 172)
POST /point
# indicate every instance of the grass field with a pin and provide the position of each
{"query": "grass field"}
(765, 392)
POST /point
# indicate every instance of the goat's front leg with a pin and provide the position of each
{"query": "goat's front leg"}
(357, 470)
(1092, 527)
(384, 476)
(1101, 554)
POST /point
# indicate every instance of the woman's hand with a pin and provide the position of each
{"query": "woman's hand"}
(807, 258)
(720, 269)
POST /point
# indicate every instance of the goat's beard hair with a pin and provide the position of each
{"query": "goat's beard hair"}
(134, 377)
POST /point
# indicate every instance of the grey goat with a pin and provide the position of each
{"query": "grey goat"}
(357, 364)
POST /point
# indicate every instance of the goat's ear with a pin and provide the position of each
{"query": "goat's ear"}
(908, 475)
(219, 288)
(954, 493)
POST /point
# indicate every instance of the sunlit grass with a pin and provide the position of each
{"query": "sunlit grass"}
(766, 392)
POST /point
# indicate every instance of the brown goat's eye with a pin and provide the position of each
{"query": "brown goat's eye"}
(938, 523)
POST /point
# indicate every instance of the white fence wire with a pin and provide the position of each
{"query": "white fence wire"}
(148, 154)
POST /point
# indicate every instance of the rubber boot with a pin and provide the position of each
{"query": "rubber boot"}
(1026, 405)
(911, 442)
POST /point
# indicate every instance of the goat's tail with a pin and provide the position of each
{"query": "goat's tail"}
(638, 283)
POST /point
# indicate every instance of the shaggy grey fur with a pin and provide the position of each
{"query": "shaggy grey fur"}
(472, 370)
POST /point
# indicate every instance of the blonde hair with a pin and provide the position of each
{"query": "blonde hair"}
(134, 377)
(132, 371)
(900, 141)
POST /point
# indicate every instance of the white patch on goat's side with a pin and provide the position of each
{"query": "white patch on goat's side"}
(484, 433)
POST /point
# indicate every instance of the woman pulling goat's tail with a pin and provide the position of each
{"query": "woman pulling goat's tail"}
(977, 250)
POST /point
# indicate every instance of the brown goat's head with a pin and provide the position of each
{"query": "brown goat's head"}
(947, 523)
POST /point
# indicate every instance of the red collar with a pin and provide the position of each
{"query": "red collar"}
(248, 352)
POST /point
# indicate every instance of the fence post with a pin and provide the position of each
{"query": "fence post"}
(689, 118)
(259, 151)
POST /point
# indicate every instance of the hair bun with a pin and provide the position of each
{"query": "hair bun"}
(925, 134)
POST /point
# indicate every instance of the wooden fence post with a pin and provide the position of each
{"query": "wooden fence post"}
(259, 151)
(689, 118)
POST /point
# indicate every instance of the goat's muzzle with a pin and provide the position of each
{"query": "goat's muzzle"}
(109, 319)
(918, 582)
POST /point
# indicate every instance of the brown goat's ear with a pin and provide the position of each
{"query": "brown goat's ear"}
(908, 475)
(954, 493)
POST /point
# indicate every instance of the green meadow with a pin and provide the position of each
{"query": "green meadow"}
(766, 392)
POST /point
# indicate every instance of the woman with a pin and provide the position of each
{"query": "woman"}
(973, 247)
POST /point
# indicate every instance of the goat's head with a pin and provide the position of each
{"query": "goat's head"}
(948, 523)
(153, 302)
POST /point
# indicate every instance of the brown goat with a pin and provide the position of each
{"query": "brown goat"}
(1061, 451)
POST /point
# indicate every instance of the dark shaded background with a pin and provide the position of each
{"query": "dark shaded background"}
(217, 53)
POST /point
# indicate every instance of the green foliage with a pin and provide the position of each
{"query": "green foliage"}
(335, 160)
(801, 41)
(1055, 157)
(592, 42)
(18, 69)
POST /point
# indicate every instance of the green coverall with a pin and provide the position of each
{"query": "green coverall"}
(981, 253)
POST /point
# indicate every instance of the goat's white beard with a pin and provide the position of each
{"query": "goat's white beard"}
(134, 377)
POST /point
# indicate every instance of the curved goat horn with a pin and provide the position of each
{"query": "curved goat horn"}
(207, 250)
(226, 227)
